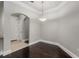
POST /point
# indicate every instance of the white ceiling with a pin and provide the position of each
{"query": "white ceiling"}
(52, 9)
(47, 4)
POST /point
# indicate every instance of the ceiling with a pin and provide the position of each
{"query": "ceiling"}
(47, 4)
(52, 9)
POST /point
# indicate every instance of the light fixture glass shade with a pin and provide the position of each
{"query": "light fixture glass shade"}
(42, 19)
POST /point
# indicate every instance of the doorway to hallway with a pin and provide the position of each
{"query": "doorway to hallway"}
(21, 36)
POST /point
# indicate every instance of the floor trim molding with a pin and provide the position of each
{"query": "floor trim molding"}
(31, 43)
(6, 52)
(9, 51)
(49, 42)
(62, 47)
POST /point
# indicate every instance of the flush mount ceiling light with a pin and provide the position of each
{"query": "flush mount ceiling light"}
(42, 18)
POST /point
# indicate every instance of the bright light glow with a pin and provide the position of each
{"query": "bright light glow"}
(42, 19)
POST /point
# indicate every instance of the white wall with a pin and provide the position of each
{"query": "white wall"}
(69, 33)
(1, 32)
(64, 30)
(49, 30)
(1, 10)
(34, 30)
(9, 22)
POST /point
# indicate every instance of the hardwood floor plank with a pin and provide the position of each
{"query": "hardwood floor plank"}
(39, 50)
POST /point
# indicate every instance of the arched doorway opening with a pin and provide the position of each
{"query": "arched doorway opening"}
(20, 35)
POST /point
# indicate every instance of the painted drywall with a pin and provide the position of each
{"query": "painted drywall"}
(64, 30)
(68, 33)
(9, 22)
(49, 30)
(1, 31)
(1, 10)
(34, 30)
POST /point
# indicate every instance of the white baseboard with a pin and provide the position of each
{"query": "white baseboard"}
(67, 51)
(31, 43)
(6, 52)
(62, 47)
(49, 42)
(9, 51)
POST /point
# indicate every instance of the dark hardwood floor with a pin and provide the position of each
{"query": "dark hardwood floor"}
(39, 50)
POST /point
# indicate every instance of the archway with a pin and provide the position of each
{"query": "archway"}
(20, 36)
